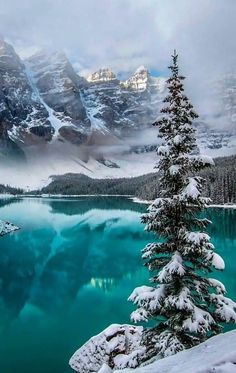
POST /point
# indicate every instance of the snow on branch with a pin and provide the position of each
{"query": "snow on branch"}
(163, 150)
(192, 189)
(215, 260)
(181, 301)
(225, 308)
(148, 299)
(174, 267)
(199, 321)
(201, 161)
(220, 288)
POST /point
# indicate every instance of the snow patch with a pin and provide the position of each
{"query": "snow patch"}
(217, 354)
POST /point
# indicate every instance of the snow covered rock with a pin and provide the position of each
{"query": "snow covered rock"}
(102, 75)
(59, 88)
(216, 355)
(142, 80)
(21, 114)
(6, 227)
(117, 347)
(139, 80)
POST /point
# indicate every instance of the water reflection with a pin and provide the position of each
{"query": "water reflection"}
(67, 273)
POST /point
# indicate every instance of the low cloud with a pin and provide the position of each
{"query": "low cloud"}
(124, 34)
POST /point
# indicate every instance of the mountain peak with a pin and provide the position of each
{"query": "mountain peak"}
(141, 69)
(102, 75)
(139, 80)
(45, 56)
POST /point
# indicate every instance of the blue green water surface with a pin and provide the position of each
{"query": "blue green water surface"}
(67, 273)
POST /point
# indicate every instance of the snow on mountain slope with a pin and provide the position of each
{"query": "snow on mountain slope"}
(217, 355)
(59, 88)
(44, 101)
(23, 119)
(123, 107)
(55, 122)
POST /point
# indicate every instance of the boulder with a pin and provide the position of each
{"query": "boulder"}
(117, 347)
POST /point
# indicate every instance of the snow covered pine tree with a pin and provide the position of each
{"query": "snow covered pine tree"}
(187, 305)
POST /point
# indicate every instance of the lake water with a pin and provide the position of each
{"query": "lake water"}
(67, 273)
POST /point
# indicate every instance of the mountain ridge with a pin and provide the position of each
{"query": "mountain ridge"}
(48, 111)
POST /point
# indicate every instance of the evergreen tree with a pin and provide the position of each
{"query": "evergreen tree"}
(186, 304)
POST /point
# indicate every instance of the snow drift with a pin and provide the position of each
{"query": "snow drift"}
(216, 355)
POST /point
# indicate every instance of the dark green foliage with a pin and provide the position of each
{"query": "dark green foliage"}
(186, 305)
(11, 190)
(220, 183)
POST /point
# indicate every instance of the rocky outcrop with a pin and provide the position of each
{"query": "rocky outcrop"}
(102, 75)
(139, 81)
(6, 227)
(118, 347)
(225, 90)
(9, 150)
(59, 87)
(72, 135)
(19, 110)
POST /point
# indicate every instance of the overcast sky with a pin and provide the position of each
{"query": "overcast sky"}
(124, 34)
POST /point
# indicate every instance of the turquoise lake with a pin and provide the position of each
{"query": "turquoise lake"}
(67, 273)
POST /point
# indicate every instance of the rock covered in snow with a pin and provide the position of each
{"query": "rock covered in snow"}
(142, 80)
(102, 75)
(139, 80)
(59, 88)
(6, 227)
(21, 114)
(117, 347)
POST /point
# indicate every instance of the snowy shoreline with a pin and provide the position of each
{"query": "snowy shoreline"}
(6, 196)
(134, 199)
(226, 206)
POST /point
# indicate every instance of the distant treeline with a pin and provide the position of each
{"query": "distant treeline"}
(10, 190)
(72, 184)
(220, 183)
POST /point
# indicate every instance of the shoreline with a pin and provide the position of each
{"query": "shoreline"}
(134, 199)
(9, 196)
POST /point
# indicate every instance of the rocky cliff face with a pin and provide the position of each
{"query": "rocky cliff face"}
(22, 117)
(43, 101)
(121, 107)
(58, 87)
(102, 75)
(226, 92)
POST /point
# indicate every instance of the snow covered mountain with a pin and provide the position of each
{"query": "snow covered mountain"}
(48, 110)
(121, 107)
(23, 118)
(57, 86)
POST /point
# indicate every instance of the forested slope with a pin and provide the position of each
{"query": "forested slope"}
(220, 183)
